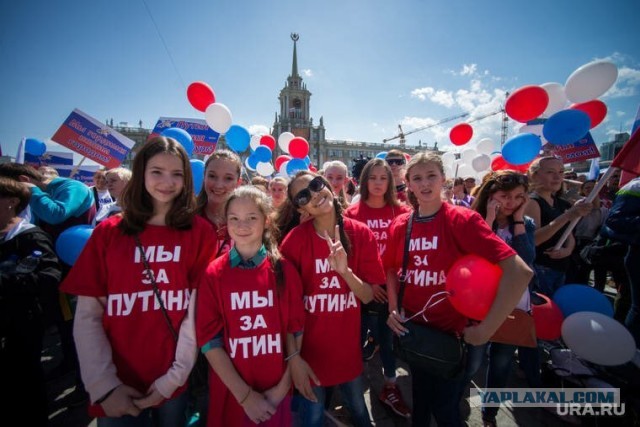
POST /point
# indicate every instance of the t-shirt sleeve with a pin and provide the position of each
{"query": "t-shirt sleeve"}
(473, 236)
(293, 285)
(395, 243)
(369, 266)
(209, 317)
(205, 251)
(290, 248)
(88, 276)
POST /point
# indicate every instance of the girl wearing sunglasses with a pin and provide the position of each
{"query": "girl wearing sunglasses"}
(337, 259)
(440, 235)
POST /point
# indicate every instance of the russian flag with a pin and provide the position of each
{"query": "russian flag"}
(594, 169)
(628, 159)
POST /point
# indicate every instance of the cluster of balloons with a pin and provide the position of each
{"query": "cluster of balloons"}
(557, 114)
(296, 157)
(470, 161)
(583, 317)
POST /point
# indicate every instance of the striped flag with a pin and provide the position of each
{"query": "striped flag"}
(631, 167)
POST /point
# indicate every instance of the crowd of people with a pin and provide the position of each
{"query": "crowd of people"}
(252, 301)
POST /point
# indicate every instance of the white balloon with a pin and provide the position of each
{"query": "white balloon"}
(468, 155)
(592, 336)
(246, 165)
(448, 158)
(534, 129)
(485, 146)
(283, 168)
(255, 142)
(218, 117)
(465, 171)
(448, 171)
(481, 163)
(283, 141)
(591, 81)
(557, 98)
(265, 168)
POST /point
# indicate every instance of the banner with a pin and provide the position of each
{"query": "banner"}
(579, 151)
(50, 158)
(83, 174)
(92, 139)
(204, 138)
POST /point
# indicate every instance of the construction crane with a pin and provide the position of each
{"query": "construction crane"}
(402, 134)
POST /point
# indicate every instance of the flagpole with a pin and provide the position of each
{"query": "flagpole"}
(75, 168)
(594, 193)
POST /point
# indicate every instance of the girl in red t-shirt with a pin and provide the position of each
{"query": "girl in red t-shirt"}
(249, 300)
(377, 207)
(441, 234)
(221, 176)
(338, 260)
(135, 280)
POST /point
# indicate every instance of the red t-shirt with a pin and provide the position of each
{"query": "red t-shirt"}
(244, 304)
(377, 219)
(434, 246)
(110, 266)
(331, 342)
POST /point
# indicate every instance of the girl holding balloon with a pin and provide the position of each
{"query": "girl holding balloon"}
(338, 260)
(501, 201)
(440, 235)
(135, 280)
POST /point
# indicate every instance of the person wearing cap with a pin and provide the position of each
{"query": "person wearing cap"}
(469, 183)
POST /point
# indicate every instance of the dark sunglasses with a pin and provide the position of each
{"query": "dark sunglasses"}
(304, 196)
(396, 162)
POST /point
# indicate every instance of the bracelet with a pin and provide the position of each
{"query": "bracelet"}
(291, 356)
(518, 222)
(244, 399)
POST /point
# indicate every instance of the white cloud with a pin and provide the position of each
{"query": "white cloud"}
(440, 97)
(468, 70)
(620, 113)
(307, 72)
(259, 130)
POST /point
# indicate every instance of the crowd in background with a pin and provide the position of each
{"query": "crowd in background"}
(252, 301)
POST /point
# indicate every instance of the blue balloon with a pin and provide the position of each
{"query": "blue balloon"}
(381, 155)
(253, 161)
(238, 138)
(197, 170)
(577, 298)
(35, 147)
(183, 138)
(566, 127)
(521, 149)
(295, 165)
(307, 161)
(263, 153)
(71, 242)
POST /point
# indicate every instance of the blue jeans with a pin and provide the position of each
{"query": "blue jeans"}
(381, 333)
(434, 395)
(172, 413)
(549, 280)
(632, 265)
(311, 414)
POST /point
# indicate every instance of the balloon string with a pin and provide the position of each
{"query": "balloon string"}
(428, 305)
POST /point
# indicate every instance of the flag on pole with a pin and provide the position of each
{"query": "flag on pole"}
(628, 159)
(20, 152)
(636, 122)
(594, 169)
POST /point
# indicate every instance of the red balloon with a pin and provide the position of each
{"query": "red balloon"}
(268, 141)
(595, 109)
(200, 95)
(499, 163)
(527, 103)
(280, 160)
(313, 168)
(461, 134)
(472, 283)
(298, 148)
(548, 319)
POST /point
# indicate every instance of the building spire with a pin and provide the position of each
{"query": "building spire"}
(294, 66)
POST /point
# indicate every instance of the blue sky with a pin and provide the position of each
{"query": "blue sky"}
(370, 65)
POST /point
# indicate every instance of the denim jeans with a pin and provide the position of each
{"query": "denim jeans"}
(381, 333)
(172, 413)
(549, 280)
(632, 265)
(311, 414)
(500, 358)
(434, 395)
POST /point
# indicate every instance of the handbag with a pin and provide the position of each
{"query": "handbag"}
(437, 352)
(198, 378)
(518, 329)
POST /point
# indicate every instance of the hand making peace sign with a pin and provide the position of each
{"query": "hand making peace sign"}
(337, 254)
